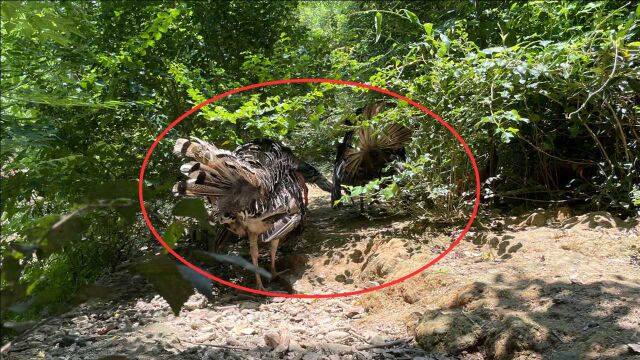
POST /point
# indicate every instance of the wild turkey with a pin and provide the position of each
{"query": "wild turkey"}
(363, 154)
(256, 191)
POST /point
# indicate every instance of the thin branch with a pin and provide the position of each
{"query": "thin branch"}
(615, 65)
(627, 153)
(216, 346)
(553, 156)
(383, 345)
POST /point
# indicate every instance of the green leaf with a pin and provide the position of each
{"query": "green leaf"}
(428, 28)
(378, 25)
(357, 191)
(390, 191)
(173, 233)
(193, 208)
(412, 17)
(163, 273)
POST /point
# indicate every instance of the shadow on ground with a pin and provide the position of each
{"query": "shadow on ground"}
(532, 319)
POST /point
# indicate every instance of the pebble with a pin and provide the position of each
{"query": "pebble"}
(295, 347)
(205, 338)
(336, 335)
(252, 305)
(247, 331)
(200, 303)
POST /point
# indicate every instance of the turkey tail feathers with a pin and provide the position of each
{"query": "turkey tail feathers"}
(202, 152)
(373, 151)
(395, 137)
(214, 172)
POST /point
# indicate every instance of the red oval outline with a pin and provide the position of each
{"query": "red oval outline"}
(294, 81)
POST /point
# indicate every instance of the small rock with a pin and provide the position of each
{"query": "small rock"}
(336, 335)
(634, 348)
(277, 340)
(252, 305)
(211, 354)
(198, 303)
(205, 338)
(377, 340)
(535, 219)
(335, 348)
(295, 347)
(104, 329)
(247, 331)
(563, 213)
(354, 312)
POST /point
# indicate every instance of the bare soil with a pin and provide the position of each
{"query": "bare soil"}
(544, 286)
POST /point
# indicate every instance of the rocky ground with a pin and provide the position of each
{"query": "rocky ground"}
(545, 286)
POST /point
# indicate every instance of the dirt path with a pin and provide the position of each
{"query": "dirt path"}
(567, 291)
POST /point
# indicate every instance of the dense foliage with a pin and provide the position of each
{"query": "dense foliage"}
(545, 94)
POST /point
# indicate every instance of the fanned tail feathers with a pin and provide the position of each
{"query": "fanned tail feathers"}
(395, 137)
(374, 149)
(215, 172)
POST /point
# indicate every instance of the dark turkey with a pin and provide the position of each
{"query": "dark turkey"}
(364, 153)
(257, 191)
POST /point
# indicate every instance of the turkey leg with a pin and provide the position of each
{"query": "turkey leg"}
(272, 252)
(253, 250)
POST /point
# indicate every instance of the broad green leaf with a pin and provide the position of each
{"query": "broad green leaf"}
(173, 233)
(428, 28)
(163, 273)
(193, 208)
(412, 17)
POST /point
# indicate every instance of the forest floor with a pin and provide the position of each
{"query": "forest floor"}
(546, 286)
